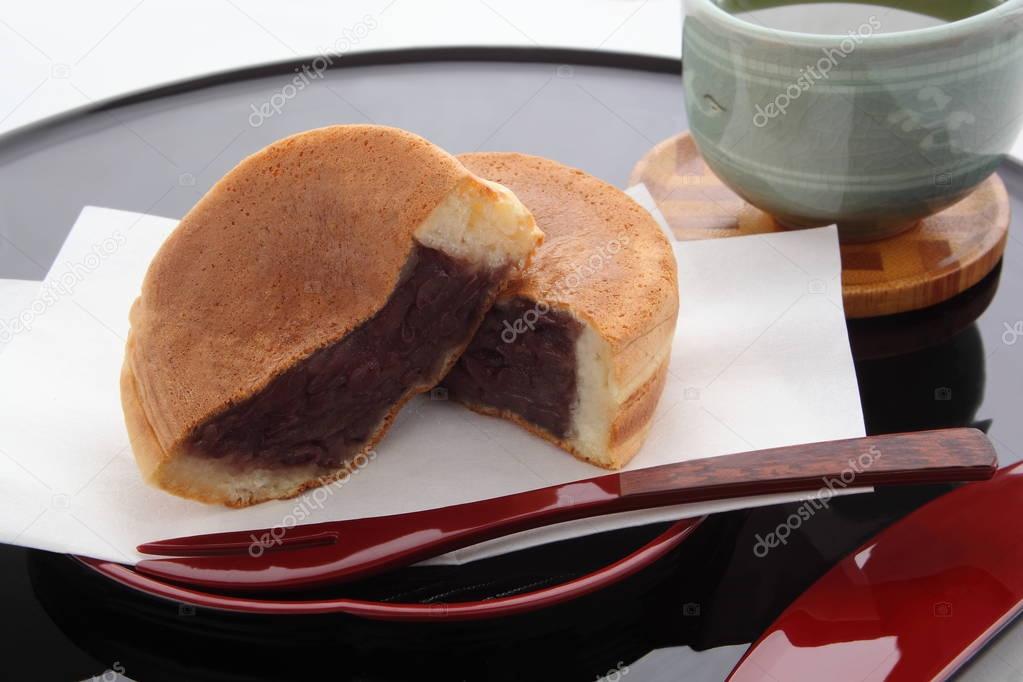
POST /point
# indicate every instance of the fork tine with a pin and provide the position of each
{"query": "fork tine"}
(354, 548)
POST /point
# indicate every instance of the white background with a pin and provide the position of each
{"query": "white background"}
(59, 55)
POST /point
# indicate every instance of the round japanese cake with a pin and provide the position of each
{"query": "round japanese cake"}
(576, 348)
(312, 291)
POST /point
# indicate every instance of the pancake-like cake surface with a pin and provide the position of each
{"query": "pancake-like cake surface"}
(313, 290)
(576, 347)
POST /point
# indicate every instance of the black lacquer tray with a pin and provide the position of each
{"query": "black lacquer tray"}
(690, 616)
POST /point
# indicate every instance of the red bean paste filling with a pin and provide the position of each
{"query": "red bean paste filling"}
(323, 408)
(522, 360)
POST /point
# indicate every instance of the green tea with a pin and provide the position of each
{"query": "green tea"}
(841, 18)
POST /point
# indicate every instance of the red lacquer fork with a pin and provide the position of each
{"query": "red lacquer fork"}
(338, 551)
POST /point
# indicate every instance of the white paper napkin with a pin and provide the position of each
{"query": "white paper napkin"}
(761, 359)
(16, 313)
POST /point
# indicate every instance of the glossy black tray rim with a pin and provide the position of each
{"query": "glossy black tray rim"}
(352, 60)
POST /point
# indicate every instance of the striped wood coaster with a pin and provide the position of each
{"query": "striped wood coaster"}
(943, 256)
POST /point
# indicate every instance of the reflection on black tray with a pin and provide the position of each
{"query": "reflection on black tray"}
(895, 335)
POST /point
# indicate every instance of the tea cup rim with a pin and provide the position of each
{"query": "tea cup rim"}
(909, 38)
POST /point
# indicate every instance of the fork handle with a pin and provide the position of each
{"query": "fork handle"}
(921, 457)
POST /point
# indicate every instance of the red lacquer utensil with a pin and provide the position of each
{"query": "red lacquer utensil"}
(338, 551)
(914, 603)
(415, 612)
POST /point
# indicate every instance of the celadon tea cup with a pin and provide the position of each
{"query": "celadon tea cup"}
(868, 129)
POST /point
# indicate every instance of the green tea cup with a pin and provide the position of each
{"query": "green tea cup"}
(870, 130)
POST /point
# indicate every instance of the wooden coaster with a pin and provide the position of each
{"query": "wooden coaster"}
(943, 256)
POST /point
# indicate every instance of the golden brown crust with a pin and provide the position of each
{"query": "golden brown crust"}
(222, 310)
(603, 258)
(291, 251)
(148, 453)
(634, 419)
(606, 262)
